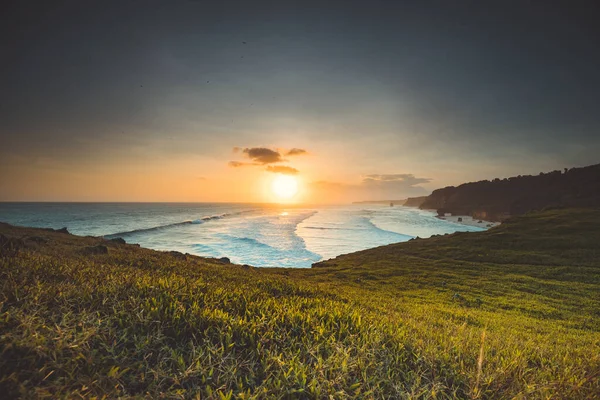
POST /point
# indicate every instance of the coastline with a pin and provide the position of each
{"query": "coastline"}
(158, 300)
(464, 219)
(469, 221)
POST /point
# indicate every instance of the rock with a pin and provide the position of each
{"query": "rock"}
(324, 263)
(246, 266)
(225, 260)
(9, 247)
(61, 230)
(99, 249)
(118, 240)
(37, 239)
(178, 255)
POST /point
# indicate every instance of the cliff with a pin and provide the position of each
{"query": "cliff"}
(415, 201)
(498, 199)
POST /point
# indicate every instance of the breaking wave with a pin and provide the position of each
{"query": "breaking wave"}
(176, 224)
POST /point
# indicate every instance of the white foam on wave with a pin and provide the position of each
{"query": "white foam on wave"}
(247, 234)
(268, 240)
(335, 231)
(415, 222)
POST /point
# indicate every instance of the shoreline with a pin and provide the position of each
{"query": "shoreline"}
(465, 219)
(157, 300)
(469, 221)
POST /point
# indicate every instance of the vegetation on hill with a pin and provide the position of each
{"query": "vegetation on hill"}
(511, 312)
(497, 199)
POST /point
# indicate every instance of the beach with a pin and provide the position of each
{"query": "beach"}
(116, 320)
(255, 234)
(469, 221)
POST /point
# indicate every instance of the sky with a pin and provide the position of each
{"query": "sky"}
(183, 100)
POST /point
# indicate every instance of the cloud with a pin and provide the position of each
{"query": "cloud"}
(263, 155)
(296, 152)
(282, 169)
(372, 187)
(405, 179)
(236, 164)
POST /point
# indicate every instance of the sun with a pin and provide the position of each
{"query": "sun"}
(284, 186)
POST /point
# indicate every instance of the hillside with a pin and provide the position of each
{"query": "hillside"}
(497, 199)
(510, 312)
(415, 201)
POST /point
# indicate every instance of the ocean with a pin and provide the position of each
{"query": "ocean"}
(255, 234)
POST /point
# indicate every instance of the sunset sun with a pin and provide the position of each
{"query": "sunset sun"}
(284, 186)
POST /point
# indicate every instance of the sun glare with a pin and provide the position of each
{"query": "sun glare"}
(284, 186)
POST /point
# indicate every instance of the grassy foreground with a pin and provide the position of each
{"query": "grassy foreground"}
(513, 312)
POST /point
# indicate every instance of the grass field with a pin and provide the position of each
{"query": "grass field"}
(513, 312)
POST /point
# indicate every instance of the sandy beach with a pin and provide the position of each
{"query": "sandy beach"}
(468, 220)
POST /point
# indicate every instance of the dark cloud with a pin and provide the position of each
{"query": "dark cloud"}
(282, 169)
(263, 155)
(296, 152)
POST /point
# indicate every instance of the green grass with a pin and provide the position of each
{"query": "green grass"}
(513, 312)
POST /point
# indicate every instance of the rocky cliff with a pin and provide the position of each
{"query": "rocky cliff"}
(498, 199)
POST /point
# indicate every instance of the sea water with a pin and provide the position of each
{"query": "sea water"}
(259, 235)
